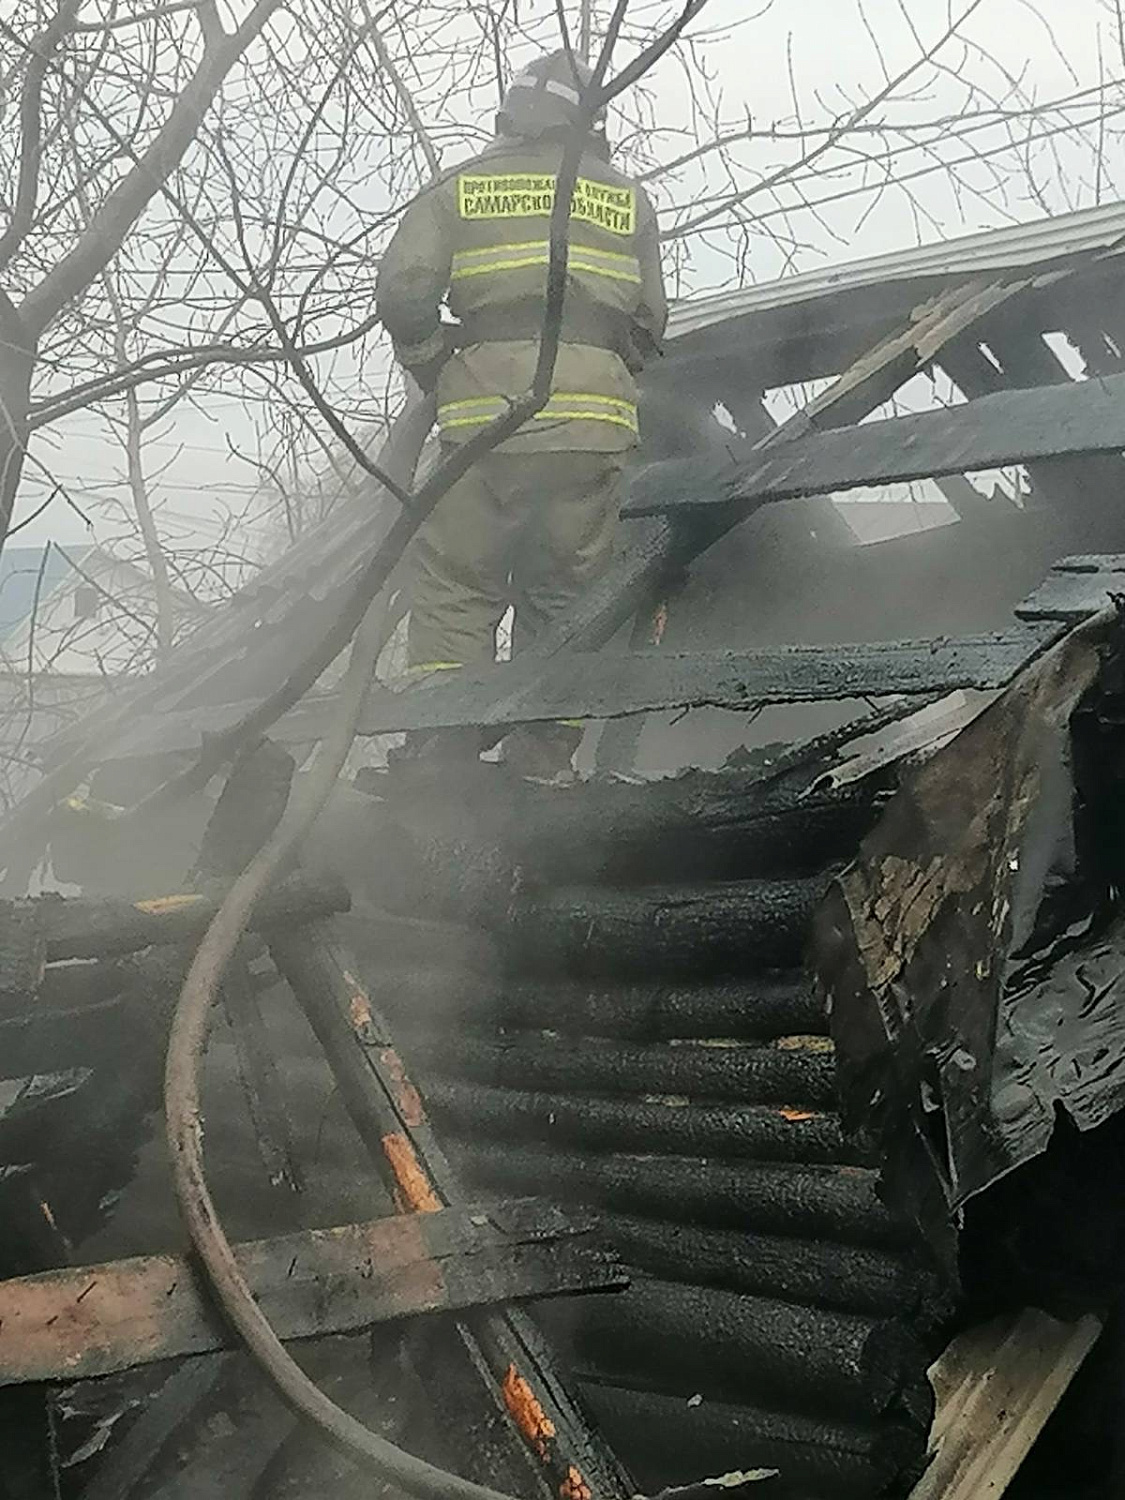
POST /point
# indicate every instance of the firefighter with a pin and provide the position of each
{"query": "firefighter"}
(532, 523)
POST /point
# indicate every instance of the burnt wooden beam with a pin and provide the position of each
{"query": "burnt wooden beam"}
(814, 1273)
(734, 1346)
(799, 1073)
(589, 685)
(717, 1132)
(762, 1006)
(690, 931)
(90, 1321)
(839, 1203)
(681, 1437)
(262, 1088)
(1009, 427)
(514, 1386)
(82, 928)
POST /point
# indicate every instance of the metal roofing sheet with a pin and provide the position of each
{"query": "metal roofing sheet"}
(972, 254)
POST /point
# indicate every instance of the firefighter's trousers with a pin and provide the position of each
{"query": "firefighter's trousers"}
(530, 529)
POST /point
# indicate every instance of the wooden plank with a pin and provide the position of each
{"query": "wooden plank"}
(83, 928)
(89, 1321)
(996, 1386)
(515, 1376)
(594, 685)
(1075, 589)
(607, 686)
(1010, 427)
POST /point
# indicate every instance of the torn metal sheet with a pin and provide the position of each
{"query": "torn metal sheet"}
(89, 1321)
(917, 734)
(1010, 427)
(973, 956)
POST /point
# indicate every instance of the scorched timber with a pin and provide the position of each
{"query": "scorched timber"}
(734, 825)
(845, 1278)
(1010, 427)
(732, 1073)
(662, 930)
(766, 1352)
(496, 1348)
(94, 1320)
(763, 1132)
(109, 928)
(682, 1438)
(589, 685)
(813, 1202)
(760, 1006)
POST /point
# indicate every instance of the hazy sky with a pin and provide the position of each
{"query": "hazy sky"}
(827, 47)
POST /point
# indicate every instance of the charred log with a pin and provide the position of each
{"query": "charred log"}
(751, 1349)
(696, 826)
(816, 1273)
(814, 1202)
(759, 1007)
(106, 929)
(542, 1063)
(671, 1440)
(694, 931)
(731, 1130)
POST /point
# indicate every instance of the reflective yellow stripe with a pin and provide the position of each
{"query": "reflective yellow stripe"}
(517, 256)
(462, 422)
(572, 264)
(434, 666)
(567, 406)
(551, 416)
(471, 401)
(591, 398)
(529, 245)
(588, 416)
(570, 723)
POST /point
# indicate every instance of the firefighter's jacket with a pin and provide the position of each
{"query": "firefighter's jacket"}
(479, 239)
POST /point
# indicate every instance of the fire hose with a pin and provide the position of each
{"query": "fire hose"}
(184, 1125)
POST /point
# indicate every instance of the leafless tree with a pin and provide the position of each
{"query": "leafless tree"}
(193, 198)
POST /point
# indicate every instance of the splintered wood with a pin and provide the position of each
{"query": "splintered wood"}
(996, 1386)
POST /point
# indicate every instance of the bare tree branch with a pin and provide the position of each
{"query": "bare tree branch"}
(128, 200)
(31, 129)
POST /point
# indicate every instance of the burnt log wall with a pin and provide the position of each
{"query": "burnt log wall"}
(651, 1047)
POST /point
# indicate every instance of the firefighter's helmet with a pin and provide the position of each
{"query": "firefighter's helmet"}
(545, 96)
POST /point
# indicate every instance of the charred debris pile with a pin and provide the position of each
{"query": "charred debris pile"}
(749, 1204)
(599, 991)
